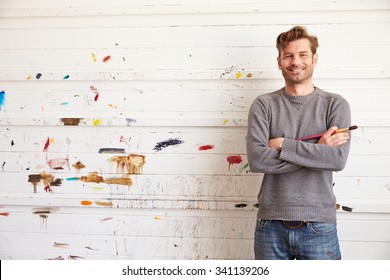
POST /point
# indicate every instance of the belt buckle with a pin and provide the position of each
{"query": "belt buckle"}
(293, 224)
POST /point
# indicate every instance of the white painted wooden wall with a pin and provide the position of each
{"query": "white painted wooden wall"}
(135, 75)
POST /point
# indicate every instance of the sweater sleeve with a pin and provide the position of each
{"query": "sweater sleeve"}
(318, 156)
(261, 158)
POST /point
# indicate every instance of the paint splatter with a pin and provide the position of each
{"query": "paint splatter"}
(12, 143)
(206, 147)
(238, 75)
(90, 248)
(71, 121)
(47, 179)
(241, 205)
(58, 163)
(130, 121)
(233, 160)
(225, 121)
(249, 75)
(119, 181)
(107, 58)
(46, 144)
(95, 90)
(71, 257)
(157, 218)
(92, 177)
(131, 164)
(2, 99)
(61, 245)
(29, 77)
(245, 166)
(111, 151)
(73, 179)
(164, 144)
(93, 57)
(86, 202)
(106, 219)
(5, 214)
(346, 208)
(38, 76)
(66, 77)
(105, 204)
(78, 166)
(64, 103)
(96, 122)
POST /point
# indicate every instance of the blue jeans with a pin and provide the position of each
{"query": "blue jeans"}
(312, 241)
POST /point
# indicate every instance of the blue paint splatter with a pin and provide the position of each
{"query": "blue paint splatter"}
(2, 99)
(66, 77)
(72, 179)
(130, 121)
(170, 142)
(64, 103)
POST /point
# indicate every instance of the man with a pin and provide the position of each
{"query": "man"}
(297, 207)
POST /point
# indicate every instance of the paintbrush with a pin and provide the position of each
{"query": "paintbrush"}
(334, 132)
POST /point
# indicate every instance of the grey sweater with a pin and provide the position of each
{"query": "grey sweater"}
(298, 180)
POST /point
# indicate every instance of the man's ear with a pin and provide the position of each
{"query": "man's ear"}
(315, 59)
(278, 59)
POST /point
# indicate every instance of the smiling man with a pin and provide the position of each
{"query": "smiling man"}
(297, 206)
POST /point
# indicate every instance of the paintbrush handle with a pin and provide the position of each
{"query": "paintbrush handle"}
(310, 137)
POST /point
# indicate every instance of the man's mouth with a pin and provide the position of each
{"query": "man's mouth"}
(296, 70)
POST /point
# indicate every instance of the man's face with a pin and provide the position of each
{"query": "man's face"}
(297, 62)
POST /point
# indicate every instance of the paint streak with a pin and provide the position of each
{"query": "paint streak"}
(95, 90)
(241, 205)
(245, 166)
(71, 257)
(2, 99)
(119, 181)
(46, 144)
(96, 122)
(73, 179)
(164, 144)
(59, 258)
(90, 248)
(71, 121)
(106, 219)
(66, 77)
(58, 163)
(130, 121)
(5, 214)
(107, 58)
(346, 208)
(234, 160)
(106, 204)
(111, 151)
(78, 166)
(61, 245)
(206, 147)
(86, 202)
(64, 103)
(93, 177)
(133, 163)
(38, 76)
(93, 57)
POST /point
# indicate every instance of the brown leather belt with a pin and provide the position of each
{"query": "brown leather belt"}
(293, 224)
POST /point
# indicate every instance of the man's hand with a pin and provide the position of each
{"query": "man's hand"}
(334, 140)
(276, 143)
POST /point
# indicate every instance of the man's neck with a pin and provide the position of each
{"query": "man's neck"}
(299, 89)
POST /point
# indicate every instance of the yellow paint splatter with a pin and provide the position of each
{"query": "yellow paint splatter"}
(157, 218)
(29, 77)
(96, 122)
(225, 121)
(93, 57)
(112, 106)
(249, 75)
(238, 75)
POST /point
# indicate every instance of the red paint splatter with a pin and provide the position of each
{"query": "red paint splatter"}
(95, 90)
(107, 58)
(5, 214)
(206, 147)
(48, 189)
(234, 160)
(46, 144)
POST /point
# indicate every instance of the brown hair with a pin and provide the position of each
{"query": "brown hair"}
(296, 33)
